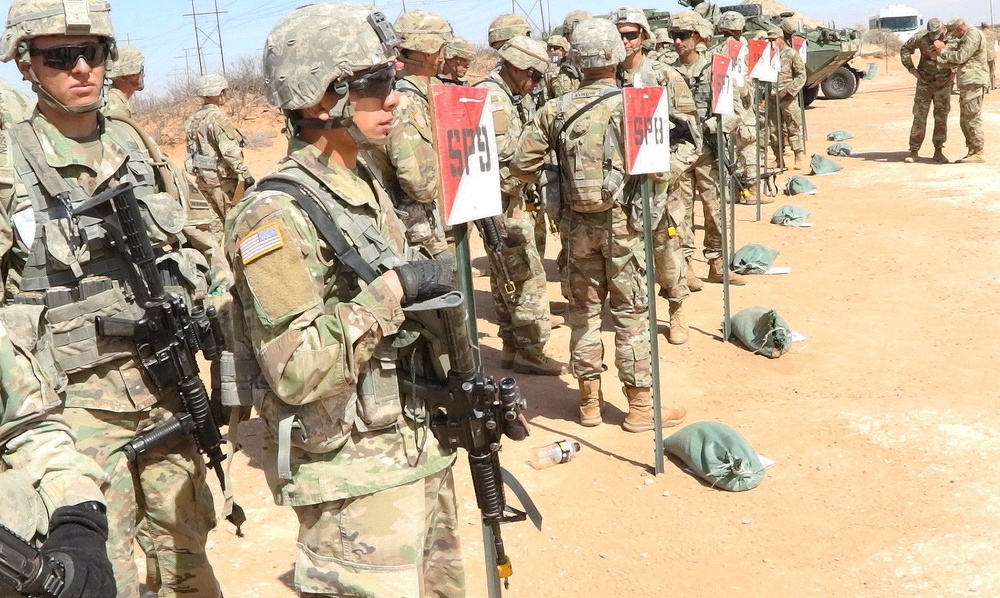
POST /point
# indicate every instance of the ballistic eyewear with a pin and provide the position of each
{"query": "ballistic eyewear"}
(376, 84)
(631, 35)
(683, 35)
(64, 58)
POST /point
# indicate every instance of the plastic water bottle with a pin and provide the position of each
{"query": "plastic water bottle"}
(559, 451)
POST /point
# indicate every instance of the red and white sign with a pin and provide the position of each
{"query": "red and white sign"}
(647, 129)
(737, 51)
(765, 63)
(722, 85)
(801, 45)
(467, 153)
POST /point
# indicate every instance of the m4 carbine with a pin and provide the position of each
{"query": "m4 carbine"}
(29, 572)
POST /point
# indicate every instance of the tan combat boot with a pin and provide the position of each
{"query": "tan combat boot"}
(678, 334)
(640, 411)
(591, 403)
(799, 156)
(694, 283)
(939, 156)
(910, 159)
(715, 273)
(535, 361)
(975, 156)
(507, 354)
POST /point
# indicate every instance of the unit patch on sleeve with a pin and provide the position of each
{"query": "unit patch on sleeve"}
(261, 242)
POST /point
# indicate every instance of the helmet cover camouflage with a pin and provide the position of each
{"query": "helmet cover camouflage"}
(935, 26)
(505, 27)
(28, 19)
(597, 44)
(422, 31)
(790, 25)
(558, 40)
(317, 44)
(130, 61)
(211, 85)
(633, 15)
(662, 36)
(459, 47)
(691, 21)
(526, 53)
(571, 20)
(731, 21)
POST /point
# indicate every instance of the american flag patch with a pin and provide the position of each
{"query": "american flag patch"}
(261, 242)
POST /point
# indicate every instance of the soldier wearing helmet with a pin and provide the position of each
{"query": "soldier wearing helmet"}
(567, 76)
(458, 54)
(67, 153)
(571, 20)
(934, 82)
(215, 147)
(602, 239)
(339, 448)
(791, 80)
(663, 48)
(127, 75)
(523, 318)
(505, 27)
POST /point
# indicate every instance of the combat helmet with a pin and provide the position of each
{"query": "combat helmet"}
(691, 21)
(571, 20)
(525, 53)
(597, 44)
(130, 61)
(633, 15)
(505, 27)
(422, 31)
(459, 47)
(935, 26)
(662, 36)
(731, 21)
(211, 85)
(560, 41)
(790, 25)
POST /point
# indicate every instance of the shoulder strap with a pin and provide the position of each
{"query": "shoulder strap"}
(346, 253)
(584, 109)
(25, 139)
(513, 100)
(405, 85)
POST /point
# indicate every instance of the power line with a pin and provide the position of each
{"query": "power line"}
(203, 38)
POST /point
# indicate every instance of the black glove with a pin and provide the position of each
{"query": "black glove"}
(249, 182)
(80, 533)
(425, 279)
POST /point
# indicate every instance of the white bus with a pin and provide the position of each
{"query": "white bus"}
(899, 19)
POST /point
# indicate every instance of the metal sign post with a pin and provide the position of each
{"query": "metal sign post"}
(722, 105)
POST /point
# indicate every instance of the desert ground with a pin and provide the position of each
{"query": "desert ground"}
(883, 423)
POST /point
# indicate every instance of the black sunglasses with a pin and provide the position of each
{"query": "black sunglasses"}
(555, 48)
(376, 84)
(535, 76)
(631, 35)
(683, 35)
(65, 58)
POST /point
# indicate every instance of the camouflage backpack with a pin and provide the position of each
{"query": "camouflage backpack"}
(589, 149)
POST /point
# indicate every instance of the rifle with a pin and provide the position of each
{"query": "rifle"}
(167, 337)
(496, 245)
(28, 572)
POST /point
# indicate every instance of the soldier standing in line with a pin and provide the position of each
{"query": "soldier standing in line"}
(62, 48)
(505, 27)
(968, 56)
(933, 87)
(638, 70)
(690, 32)
(215, 147)
(603, 241)
(991, 53)
(791, 80)
(372, 488)
(127, 76)
(458, 55)
(569, 75)
(558, 50)
(523, 316)
(663, 49)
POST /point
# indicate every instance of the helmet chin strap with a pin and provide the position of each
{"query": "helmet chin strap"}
(52, 102)
(345, 119)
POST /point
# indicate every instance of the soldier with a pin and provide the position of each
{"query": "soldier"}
(568, 77)
(991, 52)
(602, 239)
(558, 49)
(638, 70)
(663, 49)
(791, 80)
(372, 488)
(408, 161)
(127, 76)
(523, 315)
(49, 492)
(968, 56)
(215, 147)
(933, 87)
(505, 27)
(109, 397)
(690, 32)
(458, 54)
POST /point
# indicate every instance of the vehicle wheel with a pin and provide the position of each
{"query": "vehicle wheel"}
(840, 85)
(809, 94)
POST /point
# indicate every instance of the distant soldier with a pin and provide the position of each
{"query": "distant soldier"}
(523, 317)
(991, 52)
(933, 87)
(215, 147)
(127, 77)
(458, 55)
(569, 75)
(969, 57)
(558, 50)
(505, 27)
(663, 48)
(604, 245)
(791, 80)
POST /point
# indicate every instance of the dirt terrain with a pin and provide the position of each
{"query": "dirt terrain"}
(883, 423)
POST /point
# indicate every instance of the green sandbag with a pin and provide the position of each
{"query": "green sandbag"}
(839, 149)
(798, 185)
(823, 165)
(762, 330)
(753, 259)
(839, 136)
(790, 215)
(718, 454)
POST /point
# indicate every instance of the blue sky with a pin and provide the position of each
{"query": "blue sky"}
(161, 31)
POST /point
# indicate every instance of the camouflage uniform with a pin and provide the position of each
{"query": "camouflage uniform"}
(933, 87)
(562, 78)
(117, 104)
(371, 487)
(215, 156)
(791, 80)
(991, 54)
(130, 62)
(968, 56)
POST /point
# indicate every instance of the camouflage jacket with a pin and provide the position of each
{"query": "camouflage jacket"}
(34, 439)
(561, 78)
(792, 77)
(214, 146)
(969, 57)
(116, 104)
(929, 71)
(321, 335)
(510, 113)
(991, 44)
(698, 75)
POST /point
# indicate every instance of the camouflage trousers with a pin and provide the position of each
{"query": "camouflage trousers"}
(791, 126)
(970, 114)
(991, 65)
(524, 317)
(166, 491)
(924, 96)
(668, 255)
(219, 192)
(606, 262)
(701, 182)
(402, 541)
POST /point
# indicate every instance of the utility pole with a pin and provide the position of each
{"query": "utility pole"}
(202, 39)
